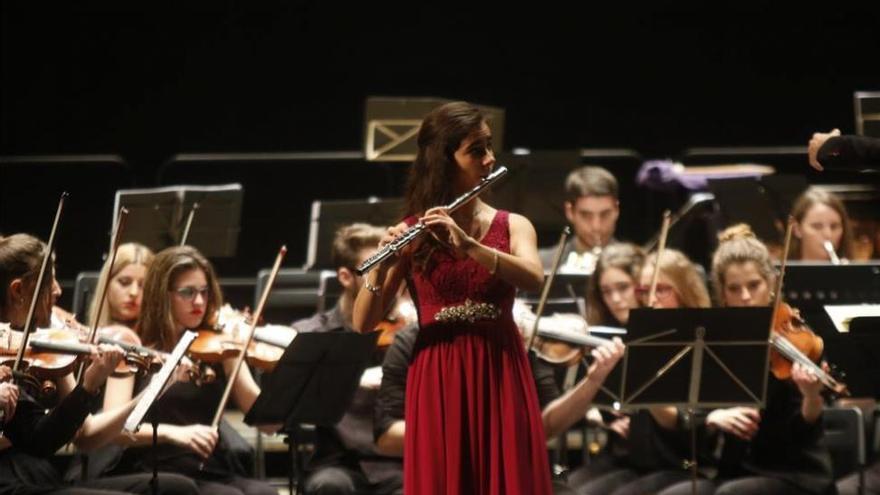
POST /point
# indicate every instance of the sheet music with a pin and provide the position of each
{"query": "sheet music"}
(133, 422)
(842, 314)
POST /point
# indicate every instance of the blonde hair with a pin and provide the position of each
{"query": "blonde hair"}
(624, 256)
(686, 279)
(156, 328)
(130, 253)
(350, 240)
(811, 197)
(736, 245)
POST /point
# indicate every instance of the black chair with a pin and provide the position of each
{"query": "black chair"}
(83, 291)
(844, 435)
(279, 189)
(296, 294)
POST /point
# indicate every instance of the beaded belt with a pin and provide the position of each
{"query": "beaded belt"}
(469, 311)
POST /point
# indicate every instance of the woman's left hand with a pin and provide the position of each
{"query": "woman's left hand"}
(807, 382)
(444, 228)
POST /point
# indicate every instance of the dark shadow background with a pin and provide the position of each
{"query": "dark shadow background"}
(148, 81)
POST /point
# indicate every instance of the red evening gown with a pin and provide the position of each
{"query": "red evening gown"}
(473, 422)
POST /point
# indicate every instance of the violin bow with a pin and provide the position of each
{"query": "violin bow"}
(29, 322)
(777, 291)
(661, 246)
(189, 222)
(253, 325)
(545, 291)
(117, 236)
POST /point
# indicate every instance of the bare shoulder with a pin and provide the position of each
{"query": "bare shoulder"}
(520, 223)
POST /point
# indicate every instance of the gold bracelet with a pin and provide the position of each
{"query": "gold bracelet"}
(494, 262)
(370, 287)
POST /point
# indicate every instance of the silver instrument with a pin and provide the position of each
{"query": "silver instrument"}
(418, 229)
(829, 248)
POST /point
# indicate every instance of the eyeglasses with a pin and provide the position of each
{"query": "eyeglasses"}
(663, 291)
(189, 293)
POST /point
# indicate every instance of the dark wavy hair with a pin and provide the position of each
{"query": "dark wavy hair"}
(440, 135)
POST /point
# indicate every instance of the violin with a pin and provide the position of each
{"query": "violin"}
(794, 342)
(402, 314)
(224, 340)
(53, 353)
(791, 340)
(561, 338)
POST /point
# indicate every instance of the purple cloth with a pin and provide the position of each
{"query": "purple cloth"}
(666, 175)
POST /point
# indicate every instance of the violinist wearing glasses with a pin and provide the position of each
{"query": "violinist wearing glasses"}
(31, 432)
(181, 292)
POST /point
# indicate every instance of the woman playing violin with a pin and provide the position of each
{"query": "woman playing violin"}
(776, 450)
(181, 292)
(32, 433)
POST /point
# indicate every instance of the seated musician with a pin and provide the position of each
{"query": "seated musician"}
(776, 450)
(181, 292)
(31, 432)
(820, 218)
(592, 208)
(611, 294)
(559, 411)
(649, 458)
(345, 461)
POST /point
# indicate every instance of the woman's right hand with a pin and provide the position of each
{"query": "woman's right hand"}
(200, 439)
(742, 422)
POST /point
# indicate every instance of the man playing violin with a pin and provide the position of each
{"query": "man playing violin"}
(32, 432)
(346, 460)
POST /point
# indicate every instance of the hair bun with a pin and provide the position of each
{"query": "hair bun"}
(738, 231)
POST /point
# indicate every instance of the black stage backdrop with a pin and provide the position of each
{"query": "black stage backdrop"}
(148, 81)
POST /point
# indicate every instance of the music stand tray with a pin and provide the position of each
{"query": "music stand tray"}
(696, 358)
(157, 217)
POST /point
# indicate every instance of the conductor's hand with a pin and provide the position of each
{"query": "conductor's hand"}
(816, 142)
(738, 421)
(200, 439)
(445, 230)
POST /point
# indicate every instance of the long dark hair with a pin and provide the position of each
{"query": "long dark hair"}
(440, 135)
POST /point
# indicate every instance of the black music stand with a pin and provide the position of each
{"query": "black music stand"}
(852, 349)
(696, 359)
(157, 217)
(145, 405)
(567, 294)
(811, 285)
(328, 216)
(313, 383)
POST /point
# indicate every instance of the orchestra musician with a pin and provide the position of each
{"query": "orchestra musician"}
(820, 218)
(345, 460)
(776, 450)
(32, 432)
(473, 419)
(592, 209)
(181, 292)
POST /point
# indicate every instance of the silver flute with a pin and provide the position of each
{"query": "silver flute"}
(410, 234)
